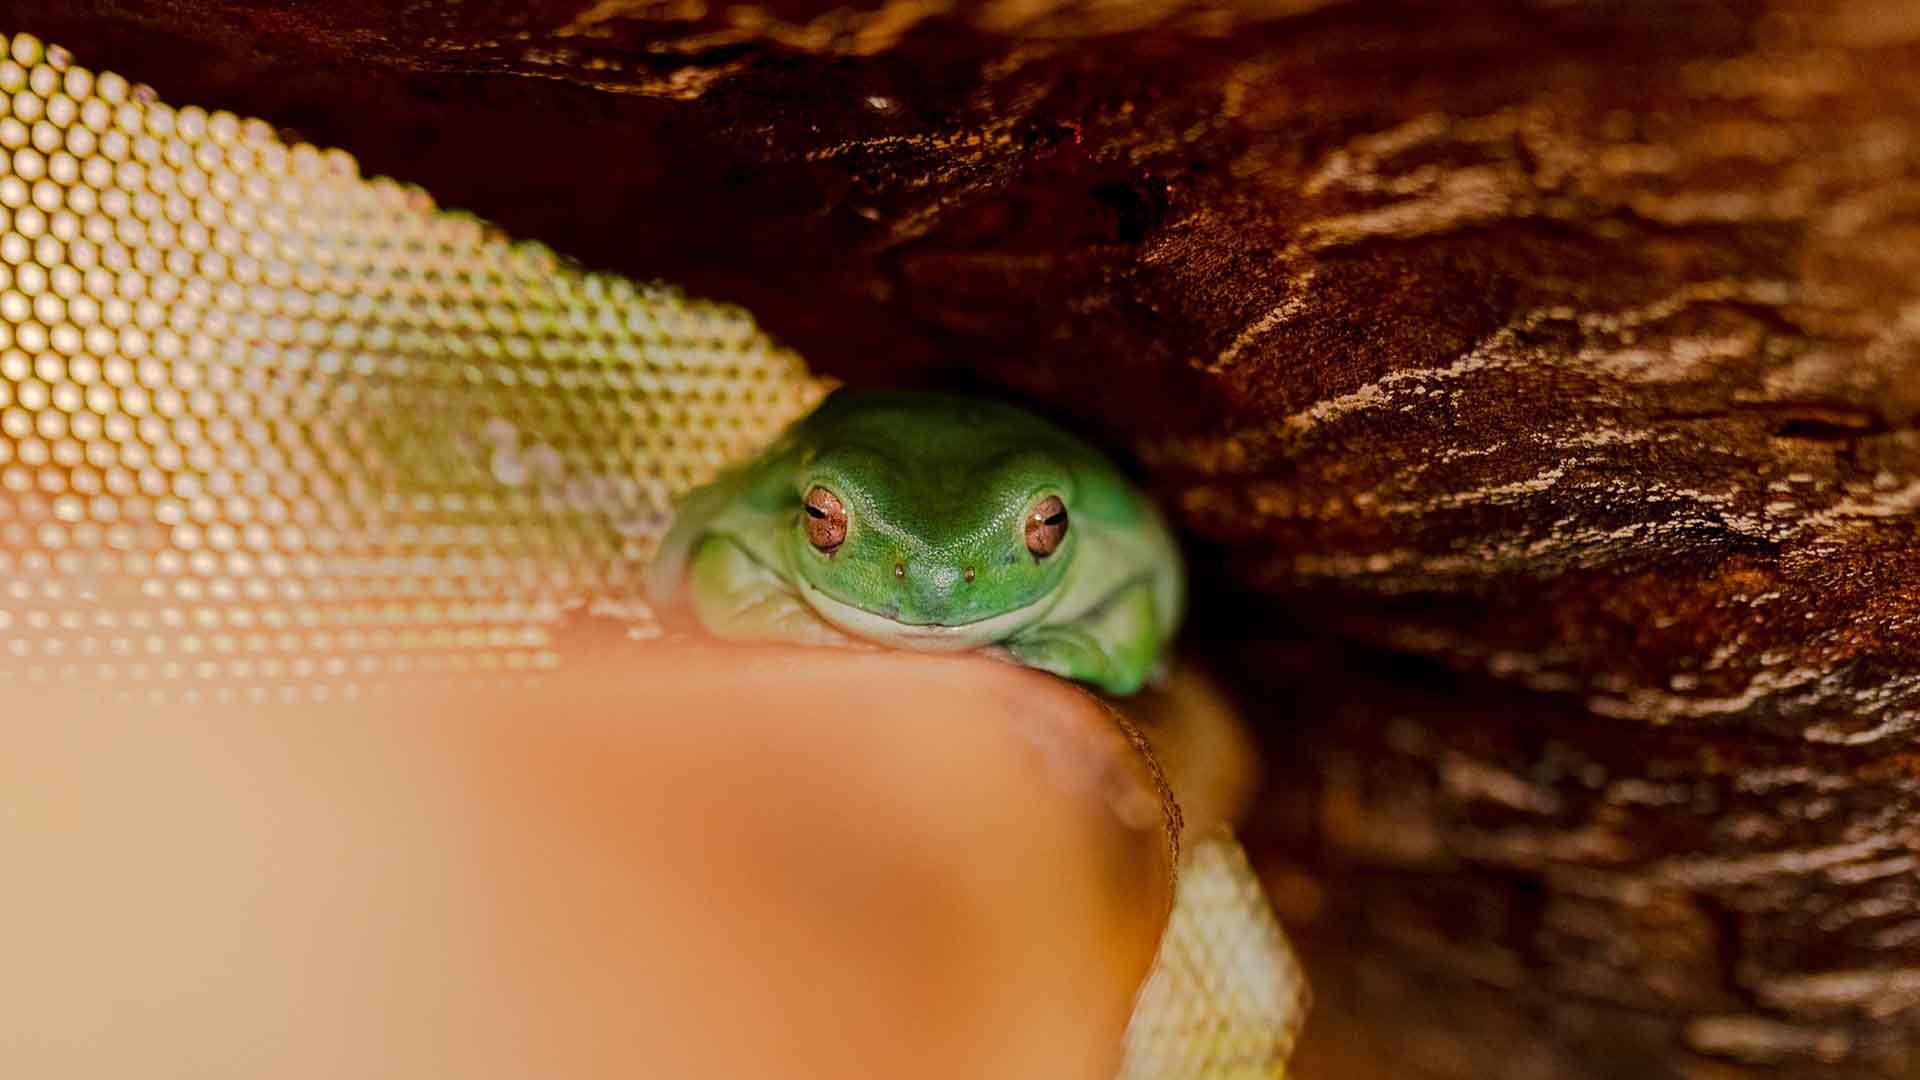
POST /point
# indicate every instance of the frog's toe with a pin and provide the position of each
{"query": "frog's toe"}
(1063, 652)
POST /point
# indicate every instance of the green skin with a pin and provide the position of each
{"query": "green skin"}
(933, 486)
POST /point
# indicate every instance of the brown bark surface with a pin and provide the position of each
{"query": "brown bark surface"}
(1537, 383)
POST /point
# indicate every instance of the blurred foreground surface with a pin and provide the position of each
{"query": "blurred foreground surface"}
(675, 864)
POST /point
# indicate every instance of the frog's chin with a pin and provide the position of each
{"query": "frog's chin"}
(930, 637)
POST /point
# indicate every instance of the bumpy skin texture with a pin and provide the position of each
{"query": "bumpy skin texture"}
(937, 491)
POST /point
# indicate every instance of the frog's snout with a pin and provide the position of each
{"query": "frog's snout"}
(933, 590)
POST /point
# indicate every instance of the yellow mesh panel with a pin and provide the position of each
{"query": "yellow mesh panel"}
(269, 429)
(1226, 996)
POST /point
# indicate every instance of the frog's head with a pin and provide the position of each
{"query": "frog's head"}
(907, 538)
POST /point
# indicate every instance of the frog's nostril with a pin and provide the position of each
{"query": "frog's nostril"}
(969, 575)
(899, 571)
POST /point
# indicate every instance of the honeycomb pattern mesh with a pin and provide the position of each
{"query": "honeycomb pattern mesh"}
(1226, 996)
(269, 430)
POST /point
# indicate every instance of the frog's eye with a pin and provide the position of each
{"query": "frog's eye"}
(1046, 526)
(826, 519)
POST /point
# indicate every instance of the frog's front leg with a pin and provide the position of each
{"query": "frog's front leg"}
(738, 599)
(1113, 646)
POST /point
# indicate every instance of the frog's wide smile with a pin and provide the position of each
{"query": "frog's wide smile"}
(874, 626)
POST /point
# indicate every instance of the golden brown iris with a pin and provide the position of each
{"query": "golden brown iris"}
(1046, 526)
(826, 520)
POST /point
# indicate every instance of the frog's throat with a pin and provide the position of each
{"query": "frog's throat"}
(926, 637)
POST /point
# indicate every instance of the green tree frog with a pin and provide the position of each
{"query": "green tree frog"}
(929, 521)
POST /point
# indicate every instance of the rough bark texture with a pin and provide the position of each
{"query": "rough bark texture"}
(1539, 384)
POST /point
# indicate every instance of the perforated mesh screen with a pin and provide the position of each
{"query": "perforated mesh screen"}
(1226, 997)
(268, 427)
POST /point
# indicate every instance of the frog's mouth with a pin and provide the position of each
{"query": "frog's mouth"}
(933, 637)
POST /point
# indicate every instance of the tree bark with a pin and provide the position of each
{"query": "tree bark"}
(1538, 385)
